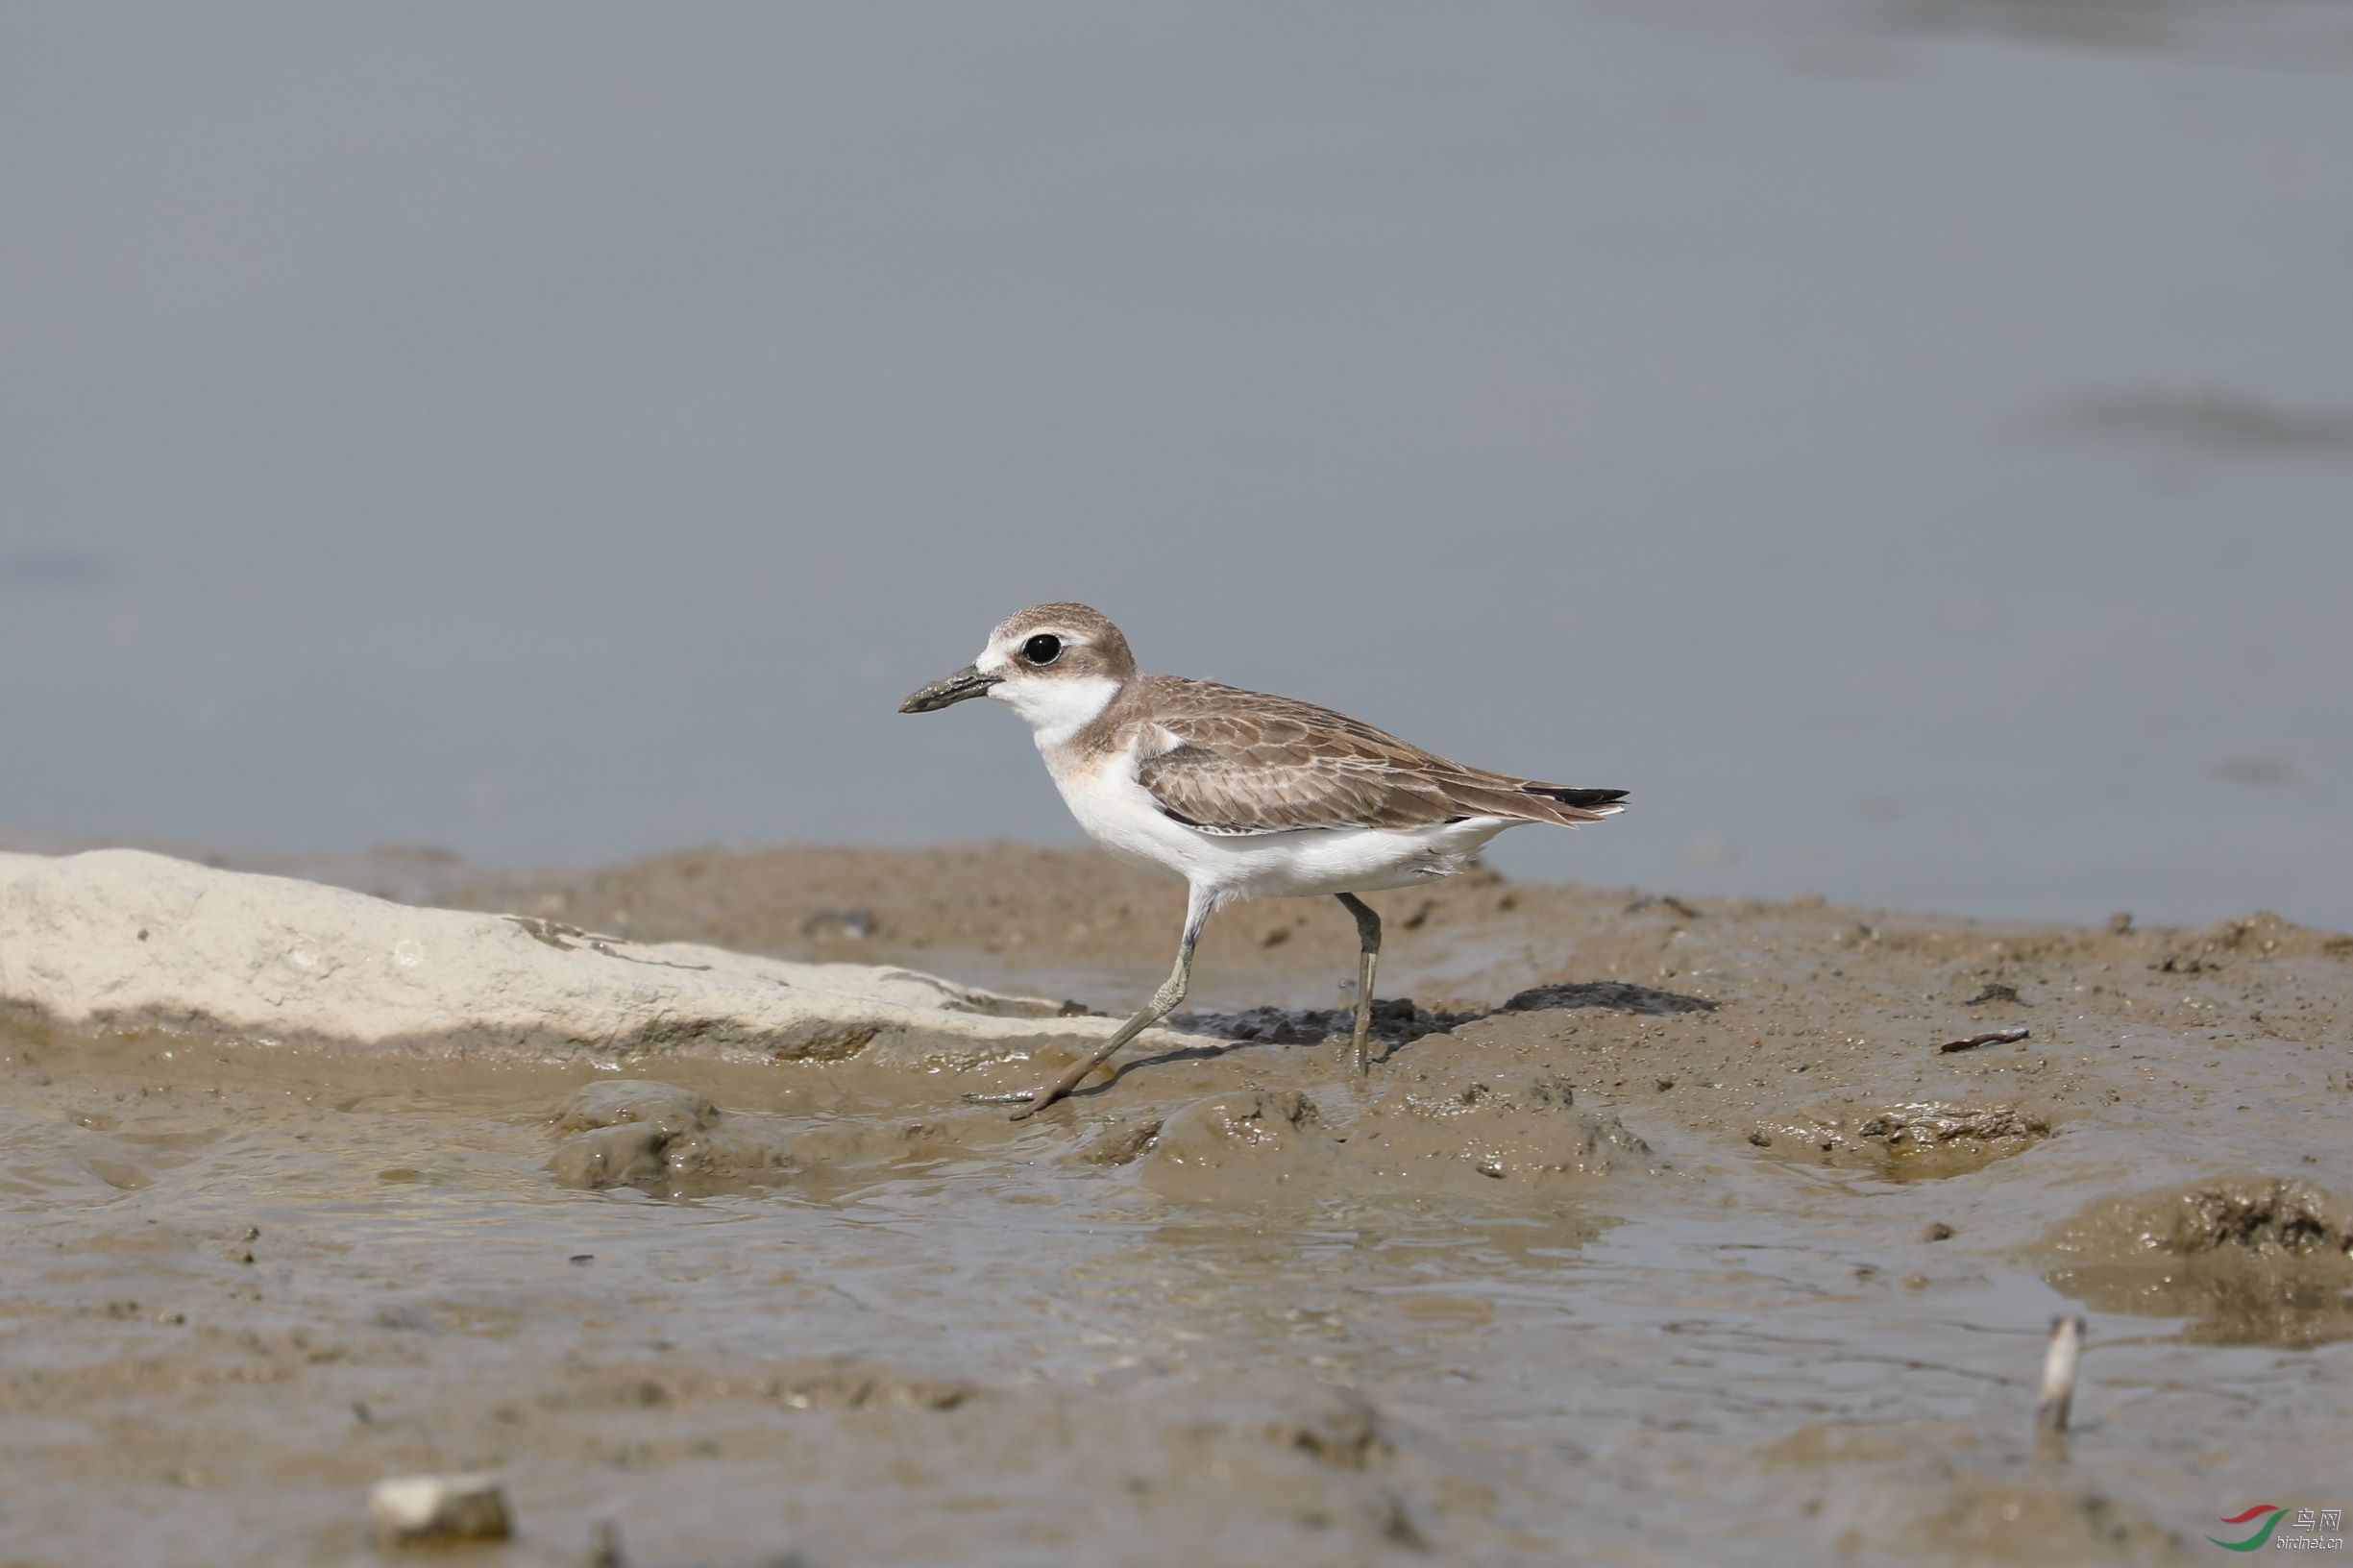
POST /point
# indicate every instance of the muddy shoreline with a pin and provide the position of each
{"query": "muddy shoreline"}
(1664, 1230)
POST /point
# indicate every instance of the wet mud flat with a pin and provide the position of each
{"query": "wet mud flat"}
(1664, 1231)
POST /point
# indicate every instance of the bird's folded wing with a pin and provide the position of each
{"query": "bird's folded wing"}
(1282, 766)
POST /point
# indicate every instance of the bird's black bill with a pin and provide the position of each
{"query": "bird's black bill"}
(965, 682)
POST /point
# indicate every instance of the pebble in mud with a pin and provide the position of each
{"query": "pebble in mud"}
(439, 1510)
(662, 1139)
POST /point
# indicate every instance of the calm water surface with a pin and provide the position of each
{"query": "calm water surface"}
(1907, 445)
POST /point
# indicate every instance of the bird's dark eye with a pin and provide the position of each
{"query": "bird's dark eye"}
(1043, 648)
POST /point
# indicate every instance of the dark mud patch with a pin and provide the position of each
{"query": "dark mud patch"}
(1915, 1140)
(1606, 995)
(1400, 1020)
(664, 1140)
(1396, 1020)
(2250, 1261)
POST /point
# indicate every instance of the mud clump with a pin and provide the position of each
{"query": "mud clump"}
(1120, 1143)
(662, 1139)
(616, 1102)
(1918, 1139)
(2285, 1216)
(1238, 1142)
(2260, 935)
(1523, 1127)
(1339, 1429)
(2262, 1218)
(2251, 1262)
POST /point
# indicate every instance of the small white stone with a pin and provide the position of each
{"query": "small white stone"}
(431, 1509)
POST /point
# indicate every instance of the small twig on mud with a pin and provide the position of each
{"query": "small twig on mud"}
(1999, 1036)
(2059, 1365)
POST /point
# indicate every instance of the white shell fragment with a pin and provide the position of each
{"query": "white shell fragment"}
(2060, 1363)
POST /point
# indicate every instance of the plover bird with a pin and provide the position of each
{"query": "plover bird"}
(1243, 794)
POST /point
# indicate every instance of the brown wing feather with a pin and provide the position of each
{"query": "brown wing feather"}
(1249, 763)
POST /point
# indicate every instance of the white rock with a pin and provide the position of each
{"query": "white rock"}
(123, 939)
(433, 1508)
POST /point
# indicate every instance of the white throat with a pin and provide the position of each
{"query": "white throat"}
(1057, 709)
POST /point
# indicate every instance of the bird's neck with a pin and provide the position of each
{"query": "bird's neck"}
(1059, 712)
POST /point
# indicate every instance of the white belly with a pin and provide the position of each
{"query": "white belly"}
(1119, 814)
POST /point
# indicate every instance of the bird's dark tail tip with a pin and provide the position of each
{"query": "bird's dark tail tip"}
(1587, 799)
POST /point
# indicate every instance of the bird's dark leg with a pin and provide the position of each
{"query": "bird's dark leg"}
(1171, 992)
(1369, 957)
